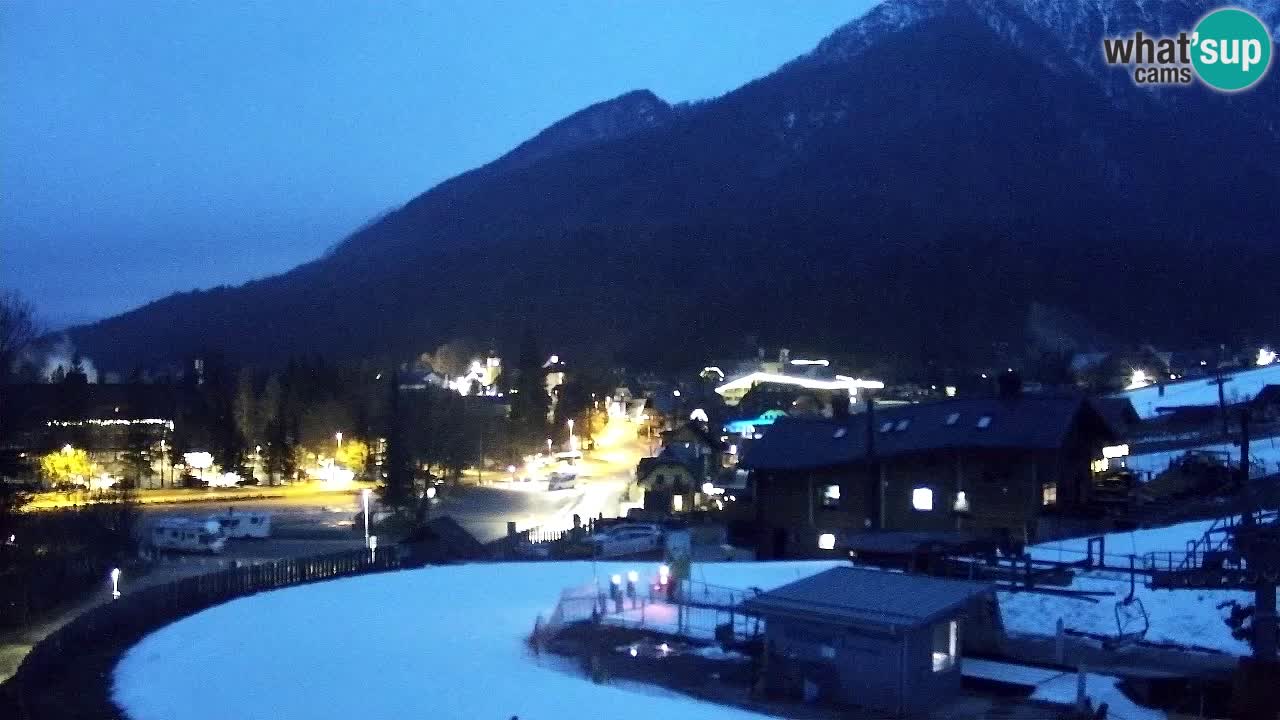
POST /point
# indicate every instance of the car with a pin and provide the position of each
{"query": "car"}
(561, 481)
(626, 540)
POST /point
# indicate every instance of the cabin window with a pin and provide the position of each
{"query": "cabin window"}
(946, 644)
(922, 498)
(962, 502)
(953, 418)
(677, 503)
(984, 421)
(902, 425)
(1049, 494)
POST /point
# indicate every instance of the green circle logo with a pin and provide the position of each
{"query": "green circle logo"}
(1232, 49)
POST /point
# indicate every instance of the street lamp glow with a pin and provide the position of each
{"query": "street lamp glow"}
(115, 583)
(633, 576)
(1266, 356)
(431, 493)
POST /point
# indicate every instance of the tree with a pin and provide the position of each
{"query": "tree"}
(353, 454)
(66, 465)
(530, 402)
(137, 455)
(17, 330)
(396, 487)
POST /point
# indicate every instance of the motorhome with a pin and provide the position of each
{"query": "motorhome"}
(187, 535)
(244, 524)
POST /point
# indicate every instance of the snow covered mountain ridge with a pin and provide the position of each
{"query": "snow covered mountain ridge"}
(1079, 25)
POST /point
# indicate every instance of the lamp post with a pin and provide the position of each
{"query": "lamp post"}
(364, 498)
(115, 583)
(573, 445)
(337, 440)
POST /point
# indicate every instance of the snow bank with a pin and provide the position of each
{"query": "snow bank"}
(440, 642)
(1100, 689)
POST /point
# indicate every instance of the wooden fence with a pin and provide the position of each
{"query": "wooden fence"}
(58, 661)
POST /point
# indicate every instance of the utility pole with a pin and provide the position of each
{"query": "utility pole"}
(1222, 399)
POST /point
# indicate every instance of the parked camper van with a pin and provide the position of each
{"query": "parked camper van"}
(244, 524)
(186, 535)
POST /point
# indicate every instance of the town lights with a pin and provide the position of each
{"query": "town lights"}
(1138, 379)
(115, 583)
(826, 541)
(1266, 356)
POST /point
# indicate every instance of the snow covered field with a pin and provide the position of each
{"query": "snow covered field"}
(440, 642)
(1241, 386)
(447, 642)
(1188, 617)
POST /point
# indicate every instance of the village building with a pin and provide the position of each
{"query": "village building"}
(1016, 467)
(879, 640)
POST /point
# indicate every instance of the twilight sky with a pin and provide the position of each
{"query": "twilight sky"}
(152, 147)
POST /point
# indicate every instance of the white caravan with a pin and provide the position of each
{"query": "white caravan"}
(244, 524)
(186, 535)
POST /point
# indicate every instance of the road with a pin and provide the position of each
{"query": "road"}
(300, 516)
(308, 522)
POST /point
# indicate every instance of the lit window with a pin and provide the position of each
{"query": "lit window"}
(953, 418)
(984, 421)
(962, 502)
(1115, 451)
(826, 541)
(1049, 494)
(902, 425)
(887, 426)
(946, 644)
(922, 498)
(1099, 465)
(831, 496)
(677, 503)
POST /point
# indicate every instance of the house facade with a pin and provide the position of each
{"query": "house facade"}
(1005, 467)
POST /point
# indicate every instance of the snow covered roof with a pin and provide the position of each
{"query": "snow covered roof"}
(1239, 386)
(850, 595)
(1028, 421)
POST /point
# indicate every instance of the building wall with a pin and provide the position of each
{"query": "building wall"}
(857, 667)
(1004, 491)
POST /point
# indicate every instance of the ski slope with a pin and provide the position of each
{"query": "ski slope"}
(1239, 386)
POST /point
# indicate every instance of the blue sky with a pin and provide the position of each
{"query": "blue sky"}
(151, 147)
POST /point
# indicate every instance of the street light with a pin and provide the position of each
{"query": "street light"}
(364, 498)
(115, 583)
(573, 441)
(337, 437)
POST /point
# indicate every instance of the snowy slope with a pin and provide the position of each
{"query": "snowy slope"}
(1187, 617)
(1264, 457)
(440, 642)
(1239, 387)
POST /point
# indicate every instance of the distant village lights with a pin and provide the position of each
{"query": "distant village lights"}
(1139, 379)
(1266, 356)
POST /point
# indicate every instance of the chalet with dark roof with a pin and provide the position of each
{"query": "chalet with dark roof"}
(1008, 467)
